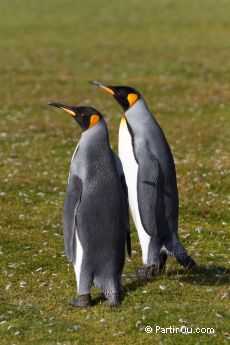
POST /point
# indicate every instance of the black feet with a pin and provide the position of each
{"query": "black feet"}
(145, 272)
(82, 301)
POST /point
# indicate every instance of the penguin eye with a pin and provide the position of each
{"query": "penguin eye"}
(120, 93)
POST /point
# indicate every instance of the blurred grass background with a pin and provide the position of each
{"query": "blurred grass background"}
(177, 54)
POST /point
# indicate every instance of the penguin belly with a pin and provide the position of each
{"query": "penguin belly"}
(130, 168)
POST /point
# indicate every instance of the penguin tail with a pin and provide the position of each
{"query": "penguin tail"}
(183, 258)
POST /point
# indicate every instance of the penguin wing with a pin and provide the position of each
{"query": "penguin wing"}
(128, 237)
(147, 177)
(125, 190)
(72, 200)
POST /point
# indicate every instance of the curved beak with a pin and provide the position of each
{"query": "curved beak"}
(103, 86)
(67, 108)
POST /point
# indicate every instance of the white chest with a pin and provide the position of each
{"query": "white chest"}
(130, 168)
(129, 164)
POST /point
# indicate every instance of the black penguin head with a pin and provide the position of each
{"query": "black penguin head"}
(86, 117)
(125, 95)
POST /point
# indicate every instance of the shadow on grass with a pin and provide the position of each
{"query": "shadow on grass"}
(133, 285)
(203, 275)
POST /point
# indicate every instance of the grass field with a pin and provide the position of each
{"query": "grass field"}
(177, 54)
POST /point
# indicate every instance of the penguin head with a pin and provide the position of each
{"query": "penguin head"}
(126, 96)
(85, 116)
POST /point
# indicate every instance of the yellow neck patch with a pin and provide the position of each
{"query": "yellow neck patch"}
(132, 97)
(93, 120)
(123, 119)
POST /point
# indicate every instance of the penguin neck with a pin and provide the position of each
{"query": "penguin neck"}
(139, 113)
(94, 137)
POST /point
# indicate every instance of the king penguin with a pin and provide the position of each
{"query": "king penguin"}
(95, 217)
(151, 180)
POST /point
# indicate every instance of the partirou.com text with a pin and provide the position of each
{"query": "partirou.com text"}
(183, 329)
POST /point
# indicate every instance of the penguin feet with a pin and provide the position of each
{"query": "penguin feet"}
(113, 300)
(147, 272)
(152, 271)
(140, 272)
(82, 301)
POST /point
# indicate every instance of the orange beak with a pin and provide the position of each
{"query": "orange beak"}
(103, 86)
(68, 109)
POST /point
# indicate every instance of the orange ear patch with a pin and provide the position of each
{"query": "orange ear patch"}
(132, 97)
(93, 120)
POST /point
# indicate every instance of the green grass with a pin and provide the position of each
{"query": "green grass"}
(177, 54)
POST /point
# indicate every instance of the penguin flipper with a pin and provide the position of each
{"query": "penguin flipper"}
(128, 236)
(72, 200)
(125, 190)
(147, 177)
